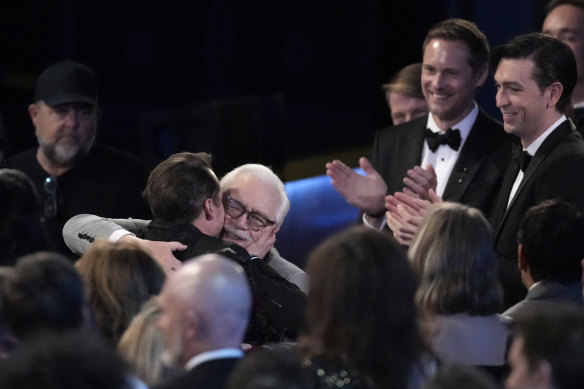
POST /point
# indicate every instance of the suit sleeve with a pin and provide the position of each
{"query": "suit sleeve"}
(82, 230)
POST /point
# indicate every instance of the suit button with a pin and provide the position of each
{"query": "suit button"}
(460, 180)
(464, 169)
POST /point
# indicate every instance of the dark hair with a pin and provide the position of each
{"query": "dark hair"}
(453, 255)
(552, 239)
(44, 295)
(556, 3)
(21, 228)
(178, 187)
(553, 61)
(466, 32)
(119, 278)
(361, 309)
(555, 335)
(267, 369)
(76, 360)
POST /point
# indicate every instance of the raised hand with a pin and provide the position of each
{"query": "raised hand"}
(162, 252)
(264, 243)
(419, 181)
(364, 192)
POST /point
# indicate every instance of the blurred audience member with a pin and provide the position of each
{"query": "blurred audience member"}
(71, 173)
(76, 360)
(548, 350)
(404, 95)
(269, 369)
(7, 340)
(21, 228)
(454, 376)
(205, 307)
(565, 21)
(458, 295)
(142, 345)
(551, 246)
(361, 323)
(118, 279)
(45, 295)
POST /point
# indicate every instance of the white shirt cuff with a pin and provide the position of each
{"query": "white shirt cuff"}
(117, 234)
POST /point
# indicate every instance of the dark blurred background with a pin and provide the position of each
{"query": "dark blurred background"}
(275, 82)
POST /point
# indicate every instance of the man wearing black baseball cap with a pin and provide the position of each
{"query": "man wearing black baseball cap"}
(71, 173)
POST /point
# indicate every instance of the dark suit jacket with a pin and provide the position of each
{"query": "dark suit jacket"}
(547, 294)
(209, 375)
(556, 171)
(278, 306)
(477, 174)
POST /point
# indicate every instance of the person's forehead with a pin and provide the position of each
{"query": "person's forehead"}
(254, 193)
(564, 17)
(514, 69)
(449, 52)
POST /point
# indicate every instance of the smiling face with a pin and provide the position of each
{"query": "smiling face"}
(448, 81)
(405, 108)
(524, 106)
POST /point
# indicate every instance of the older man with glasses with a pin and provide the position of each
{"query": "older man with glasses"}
(190, 213)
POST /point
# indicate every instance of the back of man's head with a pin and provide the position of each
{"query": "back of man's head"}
(213, 298)
(553, 340)
(466, 32)
(551, 235)
(178, 187)
(45, 294)
(261, 173)
(75, 360)
(553, 61)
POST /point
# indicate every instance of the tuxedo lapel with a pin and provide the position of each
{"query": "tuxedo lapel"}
(546, 147)
(479, 143)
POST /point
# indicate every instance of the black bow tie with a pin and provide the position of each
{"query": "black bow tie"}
(450, 137)
(522, 158)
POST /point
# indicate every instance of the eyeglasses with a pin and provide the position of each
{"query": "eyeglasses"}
(235, 209)
(50, 205)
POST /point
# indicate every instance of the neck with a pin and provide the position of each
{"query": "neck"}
(205, 227)
(546, 123)
(49, 166)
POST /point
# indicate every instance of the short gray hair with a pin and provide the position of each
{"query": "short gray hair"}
(266, 175)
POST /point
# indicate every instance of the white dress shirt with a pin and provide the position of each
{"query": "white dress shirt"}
(444, 158)
(531, 150)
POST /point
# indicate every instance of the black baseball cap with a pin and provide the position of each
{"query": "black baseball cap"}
(66, 82)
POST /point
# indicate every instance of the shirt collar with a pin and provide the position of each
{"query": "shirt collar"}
(213, 354)
(534, 146)
(463, 126)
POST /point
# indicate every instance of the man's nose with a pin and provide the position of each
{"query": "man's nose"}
(72, 118)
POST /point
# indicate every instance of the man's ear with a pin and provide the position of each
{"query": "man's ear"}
(554, 93)
(481, 75)
(522, 263)
(542, 375)
(33, 111)
(209, 209)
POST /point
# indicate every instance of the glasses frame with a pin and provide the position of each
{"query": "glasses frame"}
(251, 215)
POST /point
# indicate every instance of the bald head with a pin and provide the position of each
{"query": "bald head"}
(208, 301)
